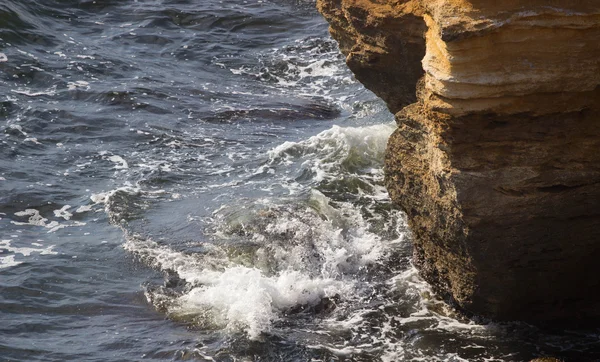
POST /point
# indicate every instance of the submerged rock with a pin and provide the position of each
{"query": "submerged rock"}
(495, 159)
(294, 110)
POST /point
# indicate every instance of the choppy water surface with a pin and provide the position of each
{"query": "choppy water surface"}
(202, 180)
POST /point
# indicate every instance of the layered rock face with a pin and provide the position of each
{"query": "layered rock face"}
(496, 159)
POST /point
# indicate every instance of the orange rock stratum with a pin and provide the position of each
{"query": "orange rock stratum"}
(496, 159)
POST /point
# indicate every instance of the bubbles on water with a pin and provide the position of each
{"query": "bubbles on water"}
(78, 84)
(316, 235)
(309, 252)
(36, 219)
(8, 261)
(31, 93)
(243, 299)
(6, 246)
(265, 261)
(350, 150)
(119, 161)
(310, 67)
(63, 212)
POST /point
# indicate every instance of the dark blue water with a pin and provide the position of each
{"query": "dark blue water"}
(202, 180)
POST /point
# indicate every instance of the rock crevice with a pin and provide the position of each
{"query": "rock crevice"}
(495, 159)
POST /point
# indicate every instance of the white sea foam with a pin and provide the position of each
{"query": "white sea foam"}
(28, 54)
(100, 198)
(18, 128)
(338, 150)
(309, 67)
(160, 165)
(237, 298)
(83, 208)
(301, 255)
(28, 92)
(78, 84)
(317, 237)
(119, 161)
(36, 219)
(32, 140)
(25, 251)
(298, 252)
(9, 260)
(63, 213)
(104, 198)
(340, 352)
(442, 316)
(244, 299)
(389, 337)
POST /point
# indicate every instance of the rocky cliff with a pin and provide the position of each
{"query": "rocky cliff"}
(496, 159)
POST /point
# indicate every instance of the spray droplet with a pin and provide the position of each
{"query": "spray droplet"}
(3, 58)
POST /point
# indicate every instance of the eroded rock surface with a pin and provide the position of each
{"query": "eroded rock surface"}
(496, 159)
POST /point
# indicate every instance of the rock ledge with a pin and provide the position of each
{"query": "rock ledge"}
(496, 159)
